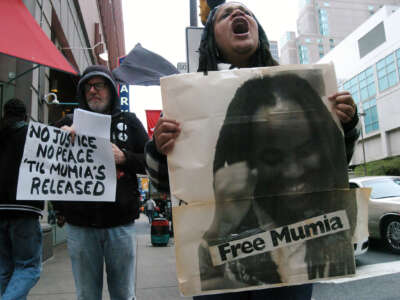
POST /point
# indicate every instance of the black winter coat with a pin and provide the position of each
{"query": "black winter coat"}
(128, 133)
(12, 142)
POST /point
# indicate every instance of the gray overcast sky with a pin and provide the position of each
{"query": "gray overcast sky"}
(159, 25)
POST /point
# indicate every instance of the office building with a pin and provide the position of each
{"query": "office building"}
(273, 47)
(323, 24)
(367, 63)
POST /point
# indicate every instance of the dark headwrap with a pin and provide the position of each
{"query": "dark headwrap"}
(214, 3)
(209, 58)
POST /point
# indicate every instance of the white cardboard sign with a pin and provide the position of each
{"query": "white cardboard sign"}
(54, 168)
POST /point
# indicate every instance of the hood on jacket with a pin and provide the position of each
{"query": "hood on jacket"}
(14, 115)
(98, 70)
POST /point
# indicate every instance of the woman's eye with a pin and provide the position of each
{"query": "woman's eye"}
(225, 15)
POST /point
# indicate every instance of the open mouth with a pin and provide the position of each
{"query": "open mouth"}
(240, 26)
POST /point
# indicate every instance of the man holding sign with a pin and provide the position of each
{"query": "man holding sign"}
(104, 231)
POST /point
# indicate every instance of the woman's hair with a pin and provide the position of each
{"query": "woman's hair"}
(209, 58)
(236, 138)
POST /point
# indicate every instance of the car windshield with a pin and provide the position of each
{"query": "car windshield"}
(384, 188)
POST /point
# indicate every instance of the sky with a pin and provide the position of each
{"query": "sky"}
(159, 26)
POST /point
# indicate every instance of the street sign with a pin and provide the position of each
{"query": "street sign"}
(193, 38)
(123, 91)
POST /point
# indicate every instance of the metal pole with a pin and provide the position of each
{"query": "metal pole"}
(193, 13)
(362, 143)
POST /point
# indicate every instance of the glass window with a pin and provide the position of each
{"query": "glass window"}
(369, 71)
(383, 84)
(392, 78)
(398, 59)
(364, 94)
(303, 55)
(387, 75)
(363, 83)
(382, 73)
(362, 76)
(362, 87)
(383, 188)
(380, 64)
(323, 22)
(371, 122)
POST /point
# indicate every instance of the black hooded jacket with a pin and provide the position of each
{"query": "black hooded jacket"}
(128, 133)
(12, 142)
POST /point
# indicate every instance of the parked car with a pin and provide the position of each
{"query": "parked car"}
(383, 208)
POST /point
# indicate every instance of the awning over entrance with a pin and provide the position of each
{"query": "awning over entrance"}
(22, 37)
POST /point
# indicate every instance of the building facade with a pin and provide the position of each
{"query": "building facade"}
(323, 24)
(273, 47)
(83, 31)
(367, 64)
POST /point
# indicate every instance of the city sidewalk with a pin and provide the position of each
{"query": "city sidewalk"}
(155, 272)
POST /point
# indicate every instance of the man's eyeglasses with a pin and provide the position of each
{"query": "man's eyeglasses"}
(98, 86)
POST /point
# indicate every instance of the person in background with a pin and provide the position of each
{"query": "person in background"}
(150, 205)
(104, 232)
(20, 231)
(233, 38)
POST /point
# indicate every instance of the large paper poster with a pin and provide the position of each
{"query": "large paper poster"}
(55, 168)
(261, 164)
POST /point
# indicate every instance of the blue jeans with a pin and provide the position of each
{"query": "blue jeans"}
(298, 292)
(91, 248)
(20, 256)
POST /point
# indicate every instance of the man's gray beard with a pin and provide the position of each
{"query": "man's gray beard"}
(98, 108)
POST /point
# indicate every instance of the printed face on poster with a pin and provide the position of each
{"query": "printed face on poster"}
(261, 163)
(55, 168)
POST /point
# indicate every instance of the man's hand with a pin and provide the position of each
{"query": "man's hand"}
(119, 156)
(165, 135)
(343, 105)
(71, 131)
(235, 181)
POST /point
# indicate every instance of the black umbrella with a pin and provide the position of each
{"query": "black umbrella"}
(143, 67)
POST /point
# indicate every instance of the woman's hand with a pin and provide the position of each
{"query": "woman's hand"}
(165, 134)
(343, 106)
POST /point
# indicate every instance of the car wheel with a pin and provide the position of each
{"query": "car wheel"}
(391, 234)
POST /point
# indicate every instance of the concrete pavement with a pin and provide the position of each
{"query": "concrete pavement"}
(155, 272)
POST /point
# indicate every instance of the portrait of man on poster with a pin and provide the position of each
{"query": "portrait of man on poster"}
(279, 158)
